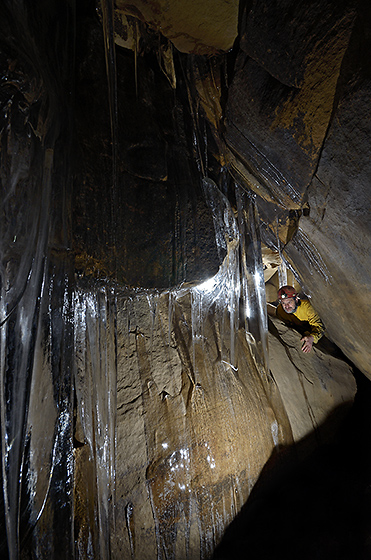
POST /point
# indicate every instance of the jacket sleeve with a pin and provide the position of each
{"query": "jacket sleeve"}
(316, 326)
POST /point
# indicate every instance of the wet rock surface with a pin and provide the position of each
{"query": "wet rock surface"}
(194, 434)
(177, 428)
(149, 227)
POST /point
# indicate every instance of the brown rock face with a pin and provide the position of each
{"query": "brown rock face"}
(295, 122)
(313, 386)
(199, 28)
(335, 235)
(191, 428)
(281, 99)
(195, 431)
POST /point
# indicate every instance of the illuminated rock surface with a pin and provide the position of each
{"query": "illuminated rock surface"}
(145, 397)
(202, 28)
(312, 385)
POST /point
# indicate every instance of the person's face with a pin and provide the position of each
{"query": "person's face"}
(289, 304)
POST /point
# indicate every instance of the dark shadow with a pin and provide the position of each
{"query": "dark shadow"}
(318, 508)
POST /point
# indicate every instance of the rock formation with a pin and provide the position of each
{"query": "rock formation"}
(154, 194)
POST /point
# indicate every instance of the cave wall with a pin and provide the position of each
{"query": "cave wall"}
(195, 430)
(295, 118)
(144, 224)
(284, 115)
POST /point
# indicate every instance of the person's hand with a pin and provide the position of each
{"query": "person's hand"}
(307, 343)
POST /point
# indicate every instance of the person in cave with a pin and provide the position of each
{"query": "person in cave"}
(299, 314)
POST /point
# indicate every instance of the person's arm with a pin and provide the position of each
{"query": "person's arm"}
(316, 326)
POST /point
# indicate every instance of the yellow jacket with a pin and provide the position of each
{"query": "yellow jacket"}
(305, 318)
